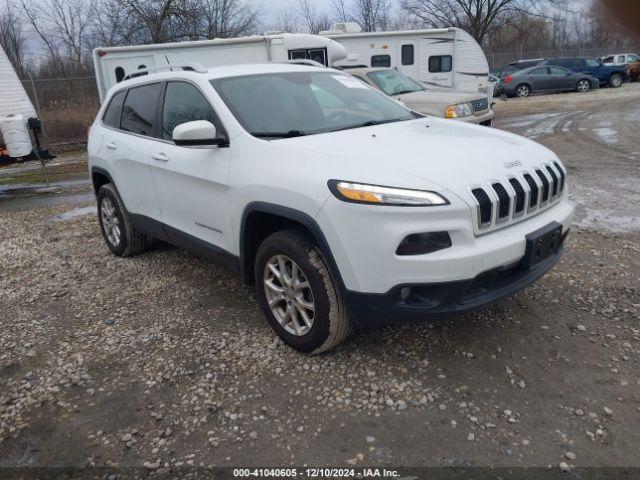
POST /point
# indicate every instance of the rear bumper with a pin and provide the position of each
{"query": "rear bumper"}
(436, 301)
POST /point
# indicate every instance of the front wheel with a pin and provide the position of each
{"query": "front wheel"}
(298, 295)
(616, 80)
(583, 86)
(523, 91)
(116, 224)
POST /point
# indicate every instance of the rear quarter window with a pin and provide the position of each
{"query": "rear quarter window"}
(111, 117)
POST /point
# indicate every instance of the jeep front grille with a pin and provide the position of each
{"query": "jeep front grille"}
(480, 104)
(504, 201)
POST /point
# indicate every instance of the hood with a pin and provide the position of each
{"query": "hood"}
(423, 153)
(441, 97)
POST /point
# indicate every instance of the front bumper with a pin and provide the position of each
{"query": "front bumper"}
(435, 301)
(481, 118)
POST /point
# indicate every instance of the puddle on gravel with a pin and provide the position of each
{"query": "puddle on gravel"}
(76, 212)
(12, 203)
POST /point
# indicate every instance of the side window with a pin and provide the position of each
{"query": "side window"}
(440, 63)
(539, 71)
(407, 54)
(558, 71)
(592, 63)
(183, 103)
(620, 59)
(381, 61)
(111, 116)
(608, 60)
(632, 58)
(140, 109)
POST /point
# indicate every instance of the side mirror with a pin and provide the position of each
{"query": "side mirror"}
(199, 133)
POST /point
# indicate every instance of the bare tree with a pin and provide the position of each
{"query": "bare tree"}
(286, 22)
(479, 17)
(12, 39)
(63, 26)
(313, 20)
(226, 18)
(341, 11)
(372, 15)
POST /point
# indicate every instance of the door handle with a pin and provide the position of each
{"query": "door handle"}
(161, 157)
(111, 145)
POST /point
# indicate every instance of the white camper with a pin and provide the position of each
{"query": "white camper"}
(447, 57)
(114, 63)
(15, 109)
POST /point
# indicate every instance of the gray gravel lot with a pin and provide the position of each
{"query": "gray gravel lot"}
(164, 360)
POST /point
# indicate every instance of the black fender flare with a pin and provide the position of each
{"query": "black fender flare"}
(299, 217)
(104, 172)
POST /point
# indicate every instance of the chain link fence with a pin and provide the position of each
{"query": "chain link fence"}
(67, 106)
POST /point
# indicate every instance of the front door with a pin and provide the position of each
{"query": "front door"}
(191, 183)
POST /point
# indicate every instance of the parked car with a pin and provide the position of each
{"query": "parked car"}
(630, 59)
(547, 79)
(341, 205)
(440, 102)
(612, 75)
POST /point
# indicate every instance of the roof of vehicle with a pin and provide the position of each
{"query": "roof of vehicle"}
(368, 69)
(221, 72)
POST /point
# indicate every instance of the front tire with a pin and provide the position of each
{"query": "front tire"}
(298, 295)
(583, 86)
(116, 224)
(523, 91)
(616, 80)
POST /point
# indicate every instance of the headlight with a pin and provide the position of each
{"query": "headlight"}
(459, 110)
(375, 194)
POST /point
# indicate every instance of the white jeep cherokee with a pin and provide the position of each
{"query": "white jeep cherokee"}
(343, 206)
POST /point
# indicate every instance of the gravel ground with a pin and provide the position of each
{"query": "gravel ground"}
(164, 360)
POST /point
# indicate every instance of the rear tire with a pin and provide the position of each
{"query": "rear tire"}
(523, 91)
(616, 80)
(116, 224)
(298, 295)
(583, 85)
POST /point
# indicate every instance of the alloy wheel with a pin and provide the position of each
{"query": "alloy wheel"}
(110, 222)
(289, 295)
(583, 86)
(523, 91)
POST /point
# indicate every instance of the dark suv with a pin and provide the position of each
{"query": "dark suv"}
(612, 75)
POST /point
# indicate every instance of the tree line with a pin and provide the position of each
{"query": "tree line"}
(55, 37)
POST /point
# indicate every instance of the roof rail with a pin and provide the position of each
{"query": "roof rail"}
(193, 67)
(305, 61)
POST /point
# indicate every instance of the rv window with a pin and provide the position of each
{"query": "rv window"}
(407, 54)
(297, 54)
(111, 116)
(381, 61)
(140, 109)
(119, 74)
(440, 63)
(184, 103)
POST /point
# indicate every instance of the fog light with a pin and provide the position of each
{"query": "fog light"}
(421, 243)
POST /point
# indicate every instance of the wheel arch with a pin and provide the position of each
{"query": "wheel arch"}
(261, 219)
(99, 177)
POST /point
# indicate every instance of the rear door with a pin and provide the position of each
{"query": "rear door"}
(191, 183)
(127, 142)
(540, 79)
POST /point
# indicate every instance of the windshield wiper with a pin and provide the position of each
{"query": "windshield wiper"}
(289, 134)
(407, 91)
(369, 123)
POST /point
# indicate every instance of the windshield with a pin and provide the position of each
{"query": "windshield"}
(291, 104)
(393, 82)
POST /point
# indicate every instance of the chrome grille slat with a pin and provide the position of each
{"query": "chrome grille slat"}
(516, 196)
(480, 104)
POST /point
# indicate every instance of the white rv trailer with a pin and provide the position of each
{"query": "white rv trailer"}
(15, 109)
(114, 63)
(446, 57)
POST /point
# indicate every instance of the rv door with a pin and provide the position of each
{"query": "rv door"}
(437, 61)
(408, 55)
